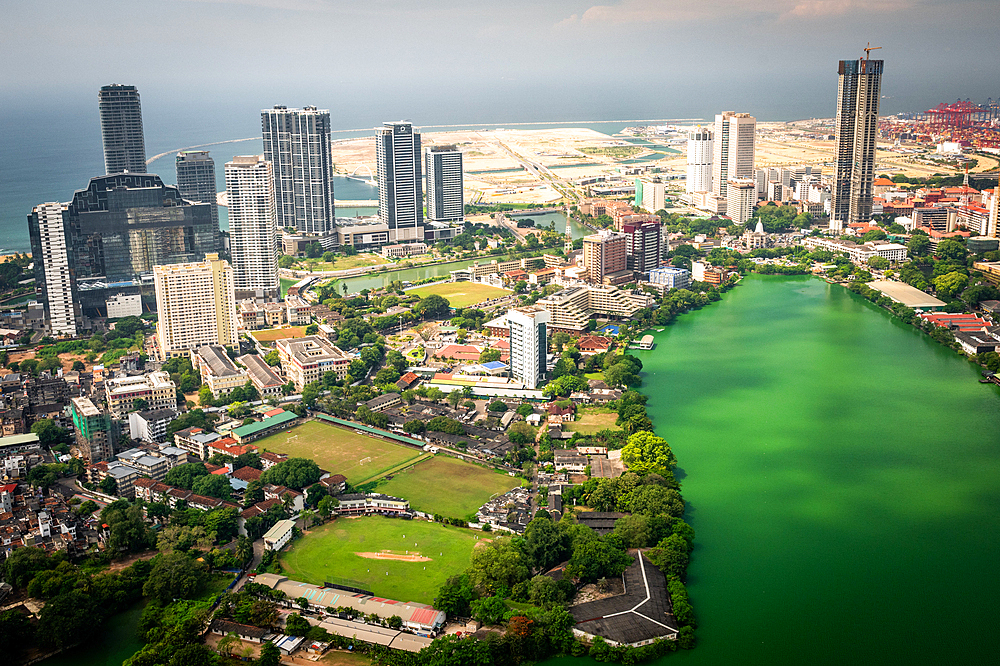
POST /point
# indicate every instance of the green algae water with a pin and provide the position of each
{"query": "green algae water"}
(842, 472)
(113, 643)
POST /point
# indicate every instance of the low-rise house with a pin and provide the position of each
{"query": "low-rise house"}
(570, 460)
(361, 504)
(156, 388)
(218, 370)
(282, 494)
(195, 441)
(268, 426)
(279, 534)
(245, 632)
(145, 463)
(384, 401)
(334, 484)
(261, 375)
(269, 459)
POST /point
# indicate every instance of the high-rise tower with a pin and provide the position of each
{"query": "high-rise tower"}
(196, 178)
(445, 196)
(297, 144)
(699, 160)
(253, 227)
(400, 190)
(733, 150)
(858, 94)
(49, 234)
(121, 129)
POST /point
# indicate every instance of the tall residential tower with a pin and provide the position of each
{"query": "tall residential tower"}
(196, 178)
(121, 129)
(733, 150)
(196, 306)
(253, 227)
(445, 197)
(699, 160)
(857, 123)
(297, 144)
(400, 186)
(50, 248)
(528, 345)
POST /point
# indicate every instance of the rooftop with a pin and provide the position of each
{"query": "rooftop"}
(219, 364)
(244, 431)
(909, 296)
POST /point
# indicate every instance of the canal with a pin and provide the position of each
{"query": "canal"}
(842, 472)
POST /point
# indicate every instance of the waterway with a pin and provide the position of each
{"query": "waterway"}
(842, 473)
(114, 643)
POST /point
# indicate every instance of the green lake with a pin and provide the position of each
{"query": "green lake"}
(842, 472)
(114, 643)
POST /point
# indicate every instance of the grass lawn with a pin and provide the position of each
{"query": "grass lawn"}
(460, 294)
(341, 658)
(340, 451)
(272, 334)
(595, 376)
(286, 283)
(592, 420)
(342, 263)
(328, 552)
(446, 485)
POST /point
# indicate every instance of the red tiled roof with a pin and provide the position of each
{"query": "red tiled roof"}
(246, 474)
(274, 412)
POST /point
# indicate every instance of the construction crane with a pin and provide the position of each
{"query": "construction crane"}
(868, 50)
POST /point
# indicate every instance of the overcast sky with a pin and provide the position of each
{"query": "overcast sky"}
(457, 61)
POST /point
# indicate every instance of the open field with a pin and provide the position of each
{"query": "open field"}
(448, 486)
(460, 294)
(285, 284)
(340, 451)
(342, 263)
(272, 334)
(328, 552)
(592, 420)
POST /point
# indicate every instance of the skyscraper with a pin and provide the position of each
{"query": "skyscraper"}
(643, 246)
(733, 150)
(858, 94)
(196, 178)
(445, 196)
(114, 231)
(528, 344)
(741, 197)
(699, 160)
(196, 305)
(604, 253)
(297, 144)
(50, 249)
(121, 129)
(253, 226)
(400, 187)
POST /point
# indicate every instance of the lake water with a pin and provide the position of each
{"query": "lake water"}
(113, 644)
(842, 472)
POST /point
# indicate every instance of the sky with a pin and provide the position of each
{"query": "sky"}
(450, 61)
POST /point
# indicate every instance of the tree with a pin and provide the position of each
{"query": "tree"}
(269, 654)
(950, 284)
(327, 505)
(294, 473)
(67, 619)
(499, 565)
(128, 529)
(497, 406)
(671, 556)
(634, 530)
(489, 610)
(525, 410)
(212, 485)
(49, 434)
(645, 453)
(543, 591)
(453, 650)
(108, 485)
(879, 263)
(272, 358)
(919, 245)
(621, 375)
(544, 543)
(296, 625)
(174, 576)
(455, 596)
(951, 250)
(184, 475)
(454, 398)
(432, 306)
(597, 559)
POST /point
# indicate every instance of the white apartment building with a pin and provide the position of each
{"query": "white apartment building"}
(651, 194)
(571, 308)
(669, 277)
(859, 254)
(733, 150)
(445, 184)
(49, 239)
(700, 146)
(196, 305)
(124, 305)
(528, 344)
(156, 388)
(740, 200)
(306, 360)
(253, 227)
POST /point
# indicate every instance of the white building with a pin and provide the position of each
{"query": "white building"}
(124, 305)
(49, 239)
(528, 344)
(279, 535)
(858, 254)
(253, 226)
(732, 151)
(700, 145)
(400, 184)
(651, 194)
(670, 277)
(445, 184)
(196, 305)
(740, 200)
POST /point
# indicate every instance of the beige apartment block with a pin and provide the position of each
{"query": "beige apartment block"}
(196, 305)
(306, 360)
(156, 388)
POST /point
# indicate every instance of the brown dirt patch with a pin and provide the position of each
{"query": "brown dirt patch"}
(387, 555)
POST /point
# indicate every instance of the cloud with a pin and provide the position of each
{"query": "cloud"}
(288, 5)
(679, 11)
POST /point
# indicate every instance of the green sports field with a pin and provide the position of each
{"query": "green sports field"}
(327, 553)
(339, 450)
(460, 294)
(448, 486)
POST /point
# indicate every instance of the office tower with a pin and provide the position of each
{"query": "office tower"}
(400, 190)
(528, 345)
(741, 198)
(650, 194)
(115, 231)
(95, 431)
(604, 253)
(49, 235)
(297, 144)
(196, 305)
(733, 150)
(699, 160)
(445, 197)
(643, 245)
(858, 93)
(196, 179)
(994, 219)
(253, 228)
(121, 129)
